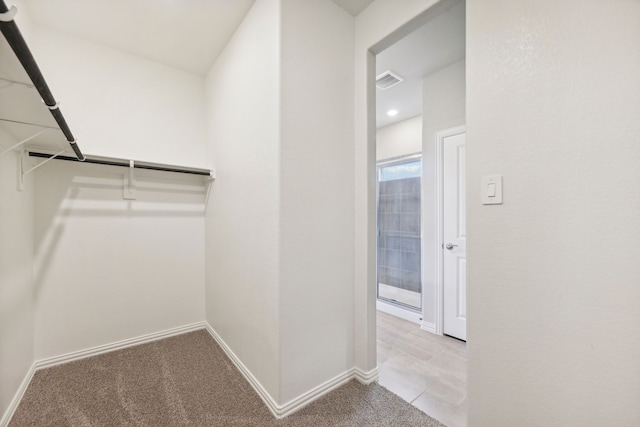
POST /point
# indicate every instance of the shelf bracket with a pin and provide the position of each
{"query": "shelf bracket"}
(22, 173)
(24, 141)
(129, 192)
(209, 179)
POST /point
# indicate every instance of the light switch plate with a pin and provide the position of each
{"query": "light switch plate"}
(492, 190)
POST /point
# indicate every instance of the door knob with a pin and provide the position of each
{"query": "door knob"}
(450, 246)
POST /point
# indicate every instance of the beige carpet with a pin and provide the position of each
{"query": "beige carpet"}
(187, 380)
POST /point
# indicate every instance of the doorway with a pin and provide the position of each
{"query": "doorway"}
(420, 90)
(452, 236)
(418, 361)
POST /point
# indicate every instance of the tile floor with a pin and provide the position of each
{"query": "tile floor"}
(425, 369)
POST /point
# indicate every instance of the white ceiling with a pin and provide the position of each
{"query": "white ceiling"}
(438, 43)
(186, 34)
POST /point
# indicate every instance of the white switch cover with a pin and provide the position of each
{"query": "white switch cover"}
(492, 190)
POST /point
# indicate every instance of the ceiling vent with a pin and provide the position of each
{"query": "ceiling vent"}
(387, 79)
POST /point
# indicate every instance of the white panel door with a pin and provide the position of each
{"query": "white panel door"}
(454, 237)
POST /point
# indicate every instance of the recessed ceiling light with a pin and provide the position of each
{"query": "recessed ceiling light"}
(392, 113)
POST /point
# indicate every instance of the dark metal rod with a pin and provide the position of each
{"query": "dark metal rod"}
(14, 37)
(124, 164)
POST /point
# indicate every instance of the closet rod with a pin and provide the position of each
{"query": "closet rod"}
(125, 163)
(12, 33)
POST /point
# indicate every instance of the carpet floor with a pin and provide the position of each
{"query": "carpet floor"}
(187, 380)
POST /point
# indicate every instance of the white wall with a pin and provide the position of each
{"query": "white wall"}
(399, 139)
(16, 275)
(280, 217)
(443, 96)
(123, 106)
(316, 195)
(552, 105)
(242, 221)
(108, 269)
(16, 263)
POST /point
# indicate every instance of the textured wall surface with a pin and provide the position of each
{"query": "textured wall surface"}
(553, 90)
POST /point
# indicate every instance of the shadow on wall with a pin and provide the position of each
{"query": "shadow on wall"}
(80, 212)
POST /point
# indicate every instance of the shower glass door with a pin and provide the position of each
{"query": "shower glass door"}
(399, 232)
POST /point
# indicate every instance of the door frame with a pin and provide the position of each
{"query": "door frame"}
(440, 136)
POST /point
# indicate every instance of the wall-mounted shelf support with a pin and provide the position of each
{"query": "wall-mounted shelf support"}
(212, 177)
(127, 164)
(130, 184)
(22, 172)
(24, 141)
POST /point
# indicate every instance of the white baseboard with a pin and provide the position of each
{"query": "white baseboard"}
(366, 377)
(8, 414)
(315, 393)
(429, 327)
(278, 411)
(281, 411)
(118, 345)
(83, 354)
(253, 381)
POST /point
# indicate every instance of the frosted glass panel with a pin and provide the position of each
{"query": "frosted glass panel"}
(399, 233)
(410, 169)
